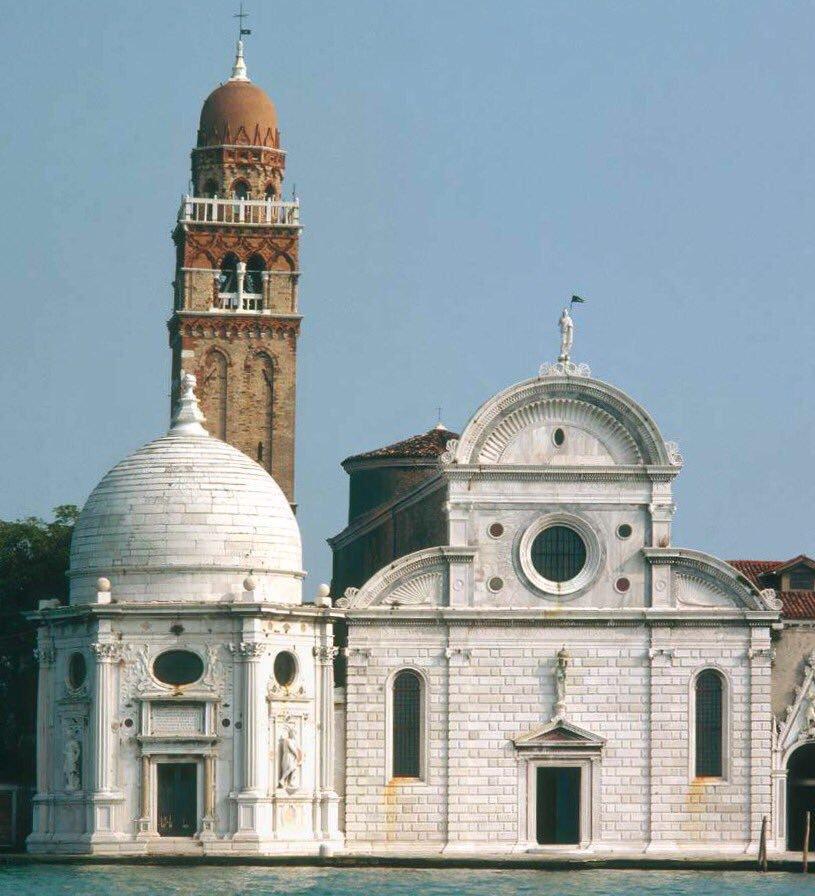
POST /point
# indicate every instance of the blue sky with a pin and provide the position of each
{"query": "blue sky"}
(462, 167)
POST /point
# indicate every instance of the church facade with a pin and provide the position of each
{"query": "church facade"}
(512, 657)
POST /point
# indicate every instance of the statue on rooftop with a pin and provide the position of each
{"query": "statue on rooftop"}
(566, 335)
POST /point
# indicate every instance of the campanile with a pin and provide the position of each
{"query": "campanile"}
(235, 317)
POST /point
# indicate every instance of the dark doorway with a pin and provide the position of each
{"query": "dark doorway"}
(177, 799)
(558, 808)
(800, 796)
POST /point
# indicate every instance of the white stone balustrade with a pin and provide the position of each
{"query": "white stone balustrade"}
(250, 212)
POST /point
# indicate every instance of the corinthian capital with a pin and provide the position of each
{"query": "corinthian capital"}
(325, 653)
(251, 650)
(45, 654)
(106, 652)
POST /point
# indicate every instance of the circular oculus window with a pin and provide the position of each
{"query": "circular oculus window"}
(558, 437)
(496, 530)
(178, 667)
(622, 584)
(560, 553)
(77, 671)
(624, 530)
(285, 668)
(496, 583)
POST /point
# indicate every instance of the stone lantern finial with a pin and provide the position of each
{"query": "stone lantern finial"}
(188, 415)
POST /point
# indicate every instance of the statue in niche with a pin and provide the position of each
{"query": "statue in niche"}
(566, 325)
(72, 765)
(291, 758)
(561, 667)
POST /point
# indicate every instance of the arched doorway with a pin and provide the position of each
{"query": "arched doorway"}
(800, 796)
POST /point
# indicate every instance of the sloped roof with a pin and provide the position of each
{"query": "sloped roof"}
(797, 604)
(428, 444)
(752, 569)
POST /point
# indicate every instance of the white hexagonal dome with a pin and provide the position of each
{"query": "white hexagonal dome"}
(187, 518)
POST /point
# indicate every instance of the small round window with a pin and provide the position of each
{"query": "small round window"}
(496, 583)
(77, 670)
(622, 584)
(496, 530)
(285, 668)
(558, 437)
(178, 667)
(624, 530)
(558, 553)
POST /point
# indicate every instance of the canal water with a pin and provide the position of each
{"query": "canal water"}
(146, 880)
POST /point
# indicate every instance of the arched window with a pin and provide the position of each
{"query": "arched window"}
(709, 724)
(407, 725)
(240, 190)
(228, 279)
(270, 192)
(253, 281)
(267, 409)
(210, 188)
(213, 392)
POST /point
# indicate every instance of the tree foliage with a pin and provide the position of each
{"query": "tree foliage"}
(33, 563)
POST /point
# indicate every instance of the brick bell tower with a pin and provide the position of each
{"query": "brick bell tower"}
(235, 320)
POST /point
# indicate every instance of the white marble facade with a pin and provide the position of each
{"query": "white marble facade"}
(520, 673)
(187, 557)
(186, 693)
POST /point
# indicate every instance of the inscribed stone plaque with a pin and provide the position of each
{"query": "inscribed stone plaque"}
(177, 718)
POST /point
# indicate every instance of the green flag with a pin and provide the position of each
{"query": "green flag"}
(577, 299)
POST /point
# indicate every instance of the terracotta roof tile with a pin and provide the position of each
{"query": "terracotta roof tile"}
(752, 569)
(797, 604)
(427, 444)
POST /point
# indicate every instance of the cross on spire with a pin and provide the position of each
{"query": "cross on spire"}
(240, 16)
(239, 68)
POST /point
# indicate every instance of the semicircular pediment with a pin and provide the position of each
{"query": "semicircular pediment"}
(603, 427)
(590, 436)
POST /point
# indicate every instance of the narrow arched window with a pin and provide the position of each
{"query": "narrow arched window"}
(253, 281)
(709, 727)
(212, 389)
(407, 724)
(266, 410)
(228, 278)
(240, 190)
(210, 188)
(270, 192)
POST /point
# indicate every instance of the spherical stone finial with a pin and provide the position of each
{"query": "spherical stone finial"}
(103, 584)
(249, 584)
(323, 598)
(324, 590)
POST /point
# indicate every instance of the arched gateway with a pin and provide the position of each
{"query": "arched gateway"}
(800, 796)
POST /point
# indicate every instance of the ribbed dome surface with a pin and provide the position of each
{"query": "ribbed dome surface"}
(190, 503)
(238, 112)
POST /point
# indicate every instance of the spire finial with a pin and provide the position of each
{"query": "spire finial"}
(239, 68)
(188, 416)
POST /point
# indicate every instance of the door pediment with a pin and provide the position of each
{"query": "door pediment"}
(559, 735)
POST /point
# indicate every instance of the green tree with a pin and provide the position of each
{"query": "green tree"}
(33, 563)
